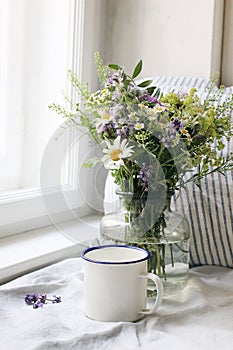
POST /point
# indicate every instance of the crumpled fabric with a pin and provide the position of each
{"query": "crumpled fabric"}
(200, 317)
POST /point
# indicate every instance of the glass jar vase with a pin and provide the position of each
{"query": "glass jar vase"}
(165, 234)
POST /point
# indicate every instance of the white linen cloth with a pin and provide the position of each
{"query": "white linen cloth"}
(201, 317)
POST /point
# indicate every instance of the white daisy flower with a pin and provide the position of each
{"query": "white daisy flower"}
(133, 116)
(115, 153)
(104, 118)
(159, 108)
(139, 126)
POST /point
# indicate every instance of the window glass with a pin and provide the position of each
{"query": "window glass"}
(34, 46)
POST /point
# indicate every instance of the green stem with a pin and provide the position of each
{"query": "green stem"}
(164, 264)
(158, 260)
(171, 251)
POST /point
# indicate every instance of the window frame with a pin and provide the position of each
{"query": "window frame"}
(25, 210)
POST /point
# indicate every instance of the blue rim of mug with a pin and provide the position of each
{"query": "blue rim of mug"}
(84, 252)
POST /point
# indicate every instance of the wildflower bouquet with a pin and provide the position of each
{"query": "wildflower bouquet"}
(153, 143)
(150, 140)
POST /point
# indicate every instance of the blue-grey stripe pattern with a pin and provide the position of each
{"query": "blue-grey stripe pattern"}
(209, 211)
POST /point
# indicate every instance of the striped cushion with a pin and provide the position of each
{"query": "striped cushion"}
(210, 212)
(168, 84)
(210, 216)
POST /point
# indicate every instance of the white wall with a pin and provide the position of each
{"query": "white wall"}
(181, 37)
(227, 55)
(95, 31)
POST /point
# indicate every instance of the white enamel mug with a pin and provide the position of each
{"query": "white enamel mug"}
(115, 283)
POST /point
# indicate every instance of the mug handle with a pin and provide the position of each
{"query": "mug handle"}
(159, 287)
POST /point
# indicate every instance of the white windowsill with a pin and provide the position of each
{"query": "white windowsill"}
(31, 250)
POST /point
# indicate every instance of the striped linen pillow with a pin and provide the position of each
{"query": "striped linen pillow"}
(168, 84)
(210, 211)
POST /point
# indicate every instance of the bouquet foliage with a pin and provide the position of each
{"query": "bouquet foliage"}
(152, 142)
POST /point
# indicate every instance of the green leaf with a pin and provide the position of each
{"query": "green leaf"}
(151, 90)
(157, 93)
(85, 121)
(145, 83)
(114, 66)
(127, 82)
(137, 69)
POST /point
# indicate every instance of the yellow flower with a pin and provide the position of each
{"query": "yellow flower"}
(184, 131)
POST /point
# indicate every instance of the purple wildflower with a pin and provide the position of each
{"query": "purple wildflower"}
(42, 298)
(116, 94)
(38, 300)
(108, 130)
(147, 97)
(125, 131)
(115, 78)
(30, 298)
(170, 135)
(167, 143)
(176, 124)
(38, 304)
(111, 80)
(144, 174)
(104, 127)
(132, 88)
(56, 299)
